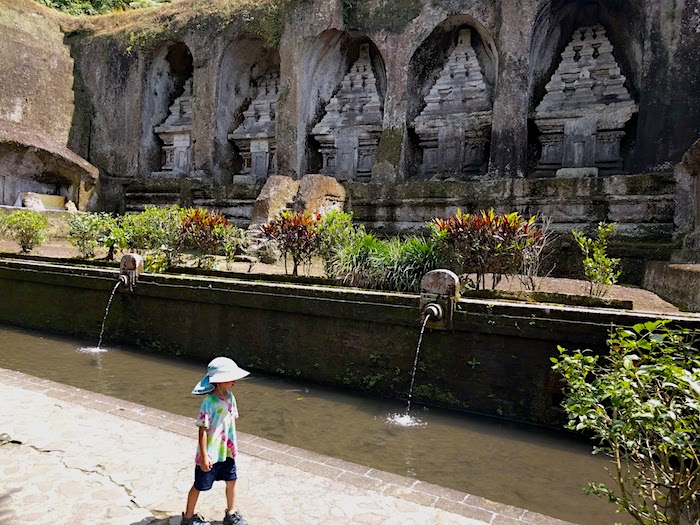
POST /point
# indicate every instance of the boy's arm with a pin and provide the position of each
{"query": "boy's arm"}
(205, 463)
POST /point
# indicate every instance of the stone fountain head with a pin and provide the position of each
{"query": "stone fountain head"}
(439, 293)
(130, 267)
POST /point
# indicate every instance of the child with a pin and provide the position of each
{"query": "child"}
(217, 448)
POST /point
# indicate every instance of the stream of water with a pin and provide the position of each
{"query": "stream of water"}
(514, 464)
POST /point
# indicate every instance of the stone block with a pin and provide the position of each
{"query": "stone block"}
(318, 194)
(577, 172)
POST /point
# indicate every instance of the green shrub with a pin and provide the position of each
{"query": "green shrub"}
(335, 229)
(27, 228)
(84, 230)
(113, 236)
(599, 270)
(295, 234)
(154, 228)
(404, 262)
(232, 238)
(358, 262)
(642, 404)
(96, 7)
(3, 224)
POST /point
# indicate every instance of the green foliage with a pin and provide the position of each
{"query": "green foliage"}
(642, 404)
(3, 224)
(296, 235)
(97, 7)
(231, 238)
(355, 262)
(335, 229)
(600, 270)
(27, 228)
(84, 230)
(487, 242)
(112, 235)
(402, 263)
(154, 229)
(267, 19)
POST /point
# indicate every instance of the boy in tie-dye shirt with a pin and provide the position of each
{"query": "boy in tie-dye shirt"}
(216, 450)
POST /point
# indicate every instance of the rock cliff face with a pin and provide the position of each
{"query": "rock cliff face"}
(432, 105)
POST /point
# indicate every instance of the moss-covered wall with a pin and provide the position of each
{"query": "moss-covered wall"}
(36, 84)
(495, 361)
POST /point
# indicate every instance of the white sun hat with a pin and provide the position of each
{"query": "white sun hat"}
(219, 370)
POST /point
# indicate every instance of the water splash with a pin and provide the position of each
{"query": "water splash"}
(405, 420)
(104, 319)
(91, 350)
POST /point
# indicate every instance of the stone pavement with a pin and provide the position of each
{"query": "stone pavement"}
(89, 459)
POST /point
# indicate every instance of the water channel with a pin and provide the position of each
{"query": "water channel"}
(518, 465)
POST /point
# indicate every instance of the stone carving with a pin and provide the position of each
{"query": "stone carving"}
(175, 132)
(455, 125)
(583, 115)
(255, 137)
(349, 131)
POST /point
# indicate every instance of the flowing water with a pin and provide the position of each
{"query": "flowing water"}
(407, 420)
(104, 319)
(518, 465)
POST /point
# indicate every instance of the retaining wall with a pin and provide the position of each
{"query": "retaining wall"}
(494, 361)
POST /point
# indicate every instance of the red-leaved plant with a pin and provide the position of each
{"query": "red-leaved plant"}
(296, 235)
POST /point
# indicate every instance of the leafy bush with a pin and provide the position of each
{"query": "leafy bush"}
(231, 239)
(3, 224)
(84, 230)
(27, 228)
(642, 404)
(599, 270)
(487, 242)
(96, 7)
(154, 229)
(112, 236)
(356, 263)
(403, 262)
(335, 229)
(296, 235)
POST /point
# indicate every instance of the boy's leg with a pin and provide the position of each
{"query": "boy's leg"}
(230, 495)
(192, 497)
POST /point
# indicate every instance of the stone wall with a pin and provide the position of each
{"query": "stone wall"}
(495, 361)
(36, 85)
(132, 71)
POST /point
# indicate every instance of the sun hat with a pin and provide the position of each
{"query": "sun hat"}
(219, 370)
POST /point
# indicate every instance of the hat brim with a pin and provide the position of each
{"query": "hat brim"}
(206, 385)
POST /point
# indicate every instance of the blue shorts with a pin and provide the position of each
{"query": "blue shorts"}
(221, 471)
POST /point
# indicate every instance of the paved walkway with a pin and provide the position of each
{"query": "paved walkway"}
(87, 459)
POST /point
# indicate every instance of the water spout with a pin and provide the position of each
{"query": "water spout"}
(130, 267)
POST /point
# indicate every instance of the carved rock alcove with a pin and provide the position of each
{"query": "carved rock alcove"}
(584, 112)
(349, 132)
(175, 132)
(255, 137)
(454, 127)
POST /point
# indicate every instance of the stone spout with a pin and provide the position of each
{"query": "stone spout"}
(130, 267)
(433, 311)
(439, 293)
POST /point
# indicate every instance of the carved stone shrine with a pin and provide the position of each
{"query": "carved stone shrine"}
(454, 127)
(349, 132)
(583, 115)
(255, 137)
(175, 132)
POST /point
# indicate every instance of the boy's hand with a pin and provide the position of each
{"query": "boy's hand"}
(205, 464)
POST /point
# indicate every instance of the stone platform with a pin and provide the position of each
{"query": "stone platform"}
(83, 458)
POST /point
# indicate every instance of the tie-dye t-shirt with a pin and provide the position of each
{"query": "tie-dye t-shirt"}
(219, 416)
